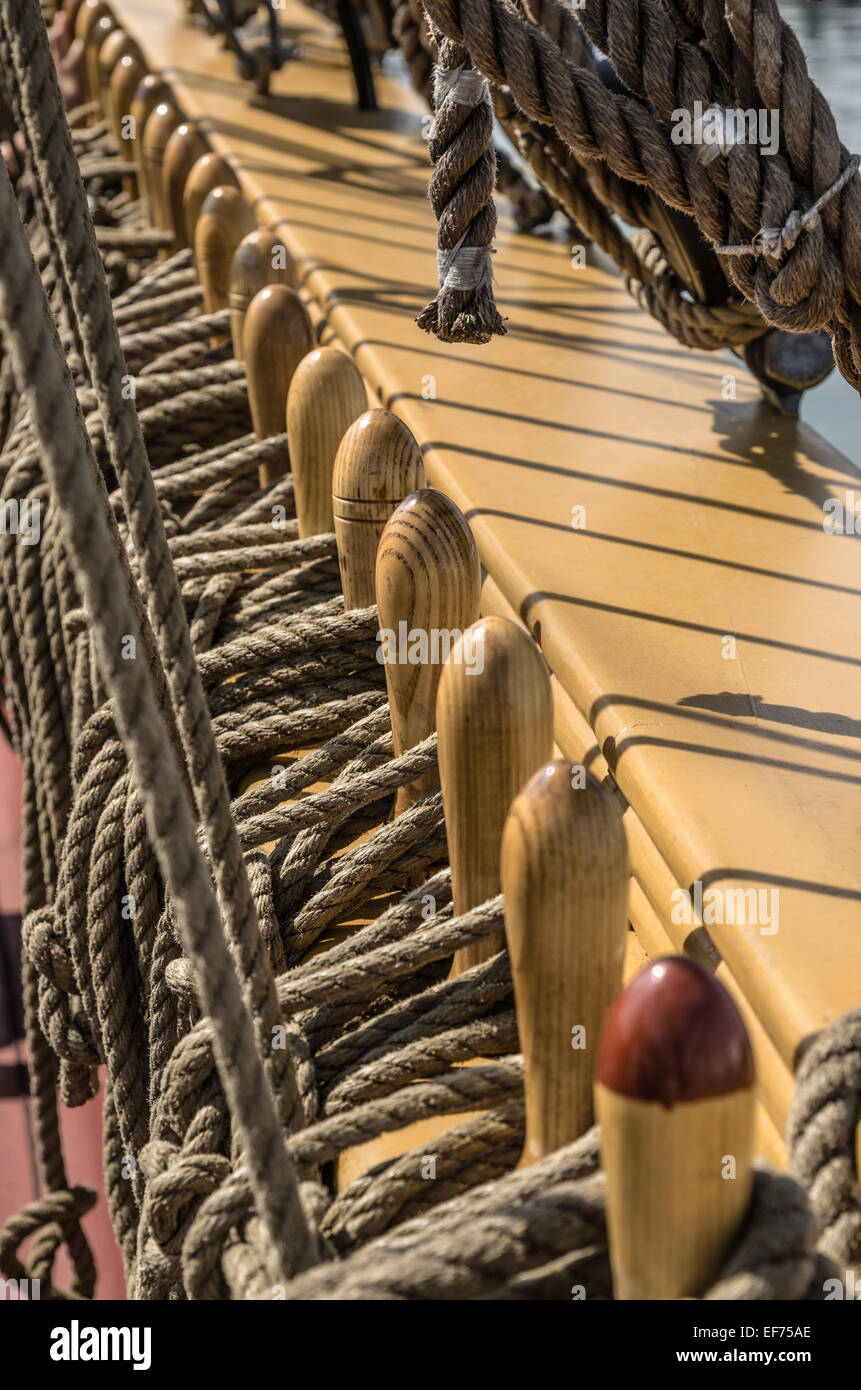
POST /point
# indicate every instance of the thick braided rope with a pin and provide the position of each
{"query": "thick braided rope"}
(471, 1246)
(196, 546)
(638, 257)
(531, 204)
(461, 193)
(815, 285)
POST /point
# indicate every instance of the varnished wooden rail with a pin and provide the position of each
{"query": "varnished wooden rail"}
(658, 532)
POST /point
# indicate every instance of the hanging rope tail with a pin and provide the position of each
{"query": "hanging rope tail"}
(461, 194)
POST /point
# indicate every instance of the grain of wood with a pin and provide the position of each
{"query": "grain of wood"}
(184, 148)
(428, 583)
(161, 124)
(224, 220)
(565, 883)
(211, 171)
(260, 259)
(495, 722)
(125, 80)
(116, 46)
(378, 464)
(95, 40)
(151, 92)
(675, 1099)
(326, 395)
(276, 336)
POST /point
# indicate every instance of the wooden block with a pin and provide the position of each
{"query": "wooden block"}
(151, 92)
(93, 44)
(211, 171)
(260, 259)
(161, 124)
(88, 15)
(71, 8)
(117, 45)
(125, 80)
(224, 220)
(184, 148)
(276, 336)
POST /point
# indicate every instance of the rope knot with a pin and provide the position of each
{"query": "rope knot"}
(175, 1194)
(45, 949)
(774, 242)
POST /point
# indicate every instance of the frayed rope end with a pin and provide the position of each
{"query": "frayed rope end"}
(477, 322)
(464, 310)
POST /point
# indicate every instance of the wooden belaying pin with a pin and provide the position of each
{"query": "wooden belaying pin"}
(71, 8)
(428, 585)
(126, 77)
(117, 45)
(377, 465)
(565, 883)
(674, 1095)
(276, 336)
(260, 259)
(100, 32)
(326, 395)
(224, 220)
(209, 172)
(161, 124)
(87, 17)
(494, 716)
(150, 93)
(184, 148)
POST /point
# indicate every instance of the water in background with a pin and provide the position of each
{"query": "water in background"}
(831, 38)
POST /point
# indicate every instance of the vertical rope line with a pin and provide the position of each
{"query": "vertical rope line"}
(461, 194)
(45, 383)
(66, 213)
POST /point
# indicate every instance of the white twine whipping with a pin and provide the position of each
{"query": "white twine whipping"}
(462, 85)
(464, 267)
